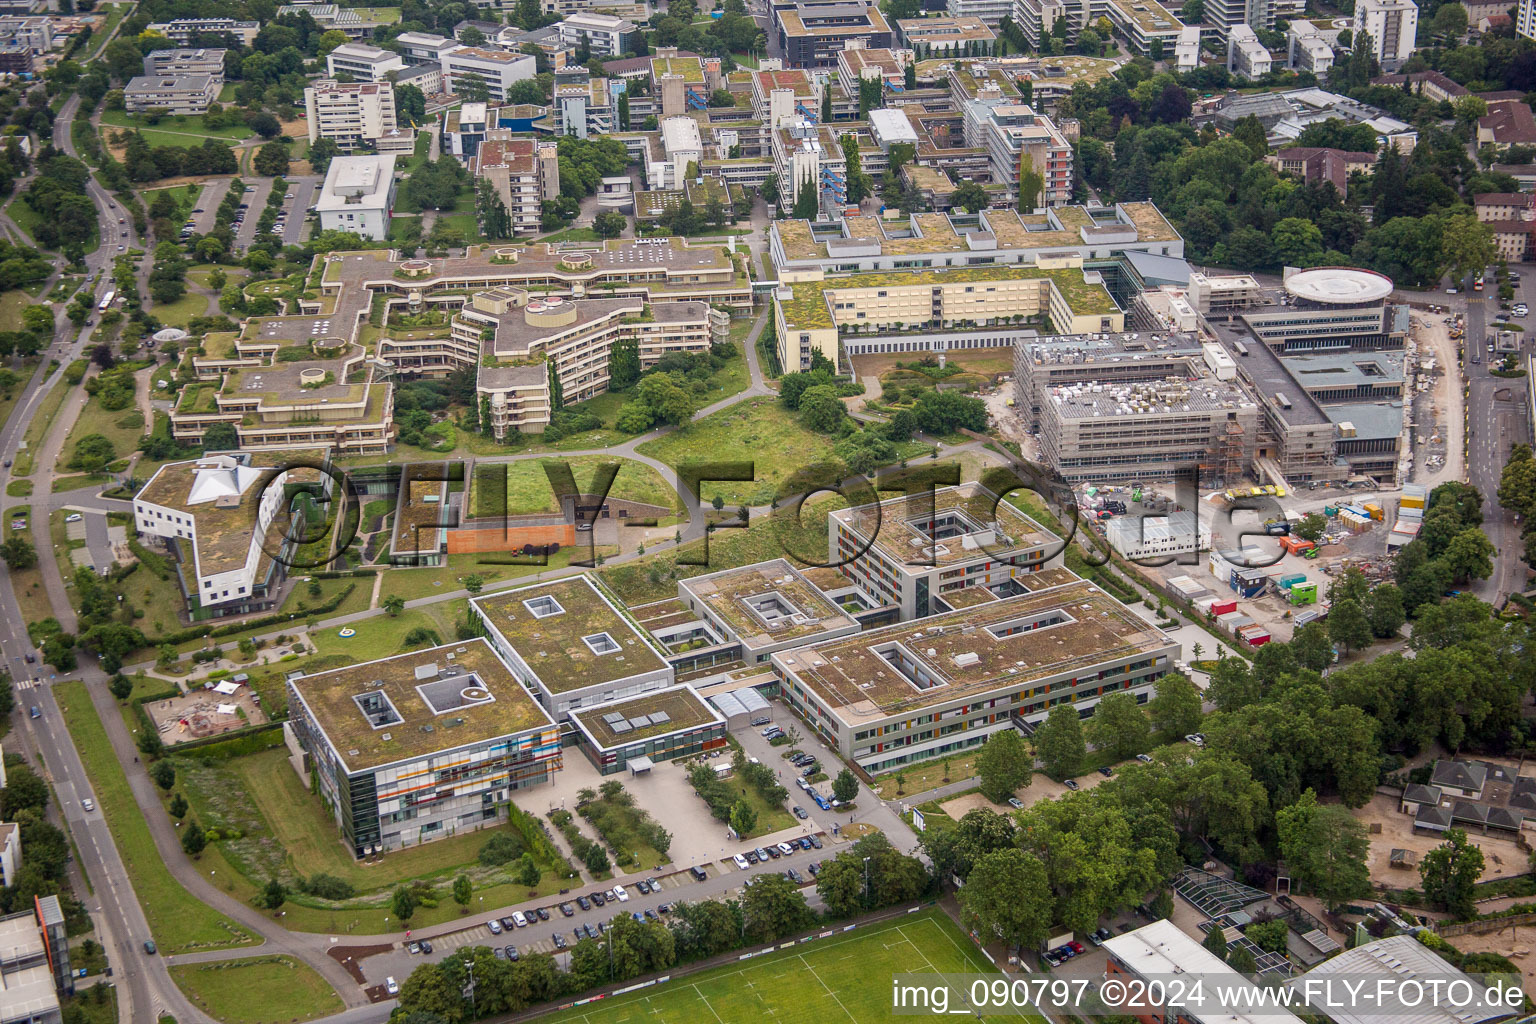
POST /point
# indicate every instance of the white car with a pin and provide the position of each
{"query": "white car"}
(786, 849)
(88, 804)
(741, 862)
(391, 986)
(518, 919)
(73, 517)
(623, 896)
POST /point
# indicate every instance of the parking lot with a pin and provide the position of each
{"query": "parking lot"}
(305, 191)
(208, 204)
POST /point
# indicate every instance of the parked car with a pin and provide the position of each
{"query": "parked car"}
(774, 852)
(583, 903)
(426, 947)
(543, 913)
(494, 926)
(519, 919)
(413, 947)
(599, 899)
(623, 896)
(643, 886)
(761, 720)
(741, 862)
(795, 876)
(559, 941)
(663, 908)
(800, 812)
(1195, 738)
(1015, 803)
(816, 841)
(73, 517)
(512, 953)
(1077, 947)
(814, 867)
(810, 770)
(786, 849)
(1071, 784)
(650, 915)
(496, 951)
(1106, 770)
(565, 908)
(391, 986)
(752, 857)
(699, 874)
(1144, 758)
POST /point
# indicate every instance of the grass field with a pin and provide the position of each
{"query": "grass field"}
(38, 429)
(836, 980)
(123, 427)
(528, 489)
(178, 922)
(101, 35)
(759, 431)
(257, 990)
(27, 219)
(178, 313)
(382, 15)
(190, 126)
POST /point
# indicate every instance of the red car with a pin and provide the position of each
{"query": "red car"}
(1077, 948)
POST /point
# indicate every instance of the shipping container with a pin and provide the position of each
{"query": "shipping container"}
(1223, 607)
(1304, 593)
(1285, 582)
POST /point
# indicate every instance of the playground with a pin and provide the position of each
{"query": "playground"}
(219, 708)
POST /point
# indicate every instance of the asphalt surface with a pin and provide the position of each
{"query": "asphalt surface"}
(305, 191)
(255, 198)
(208, 202)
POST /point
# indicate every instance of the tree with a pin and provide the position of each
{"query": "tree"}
(18, 552)
(1450, 872)
(846, 786)
(770, 189)
(1176, 708)
(1059, 742)
(970, 197)
(1517, 483)
(271, 160)
(1311, 526)
(472, 88)
(178, 807)
(1241, 959)
(610, 223)
(474, 583)
(1007, 895)
(1031, 181)
(92, 453)
(164, 774)
(1118, 727)
(1468, 556)
(403, 903)
(773, 907)
(1348, 626)
(1384, 610)
(1004, 765)
(274, 895)
(394, 604)
(624, 364)
(1215, 942)
(463, 890)
(1297, 243)
(821, 410)
(743, 818)
(807, 200)
(193, 840)
(596, 859)
(1324, 847)
(1466, 245)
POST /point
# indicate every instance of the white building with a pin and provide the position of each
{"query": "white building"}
(1157, 536)
(1186, 52)
(423, 47)
(498, 69)
(175, 94)
(186, 62)
(1525, 19)
(358, 193)
(1247, 56)
(1392, 25)
(331, 17)
(990, 11)
(34, 35)
(608, 36)
(1011, 131)
(1222, 15)
(363, 62)
(681, 141)
(1160, 950)
(352, 114)
(1308, 49)
(10, 852)
(183, 29)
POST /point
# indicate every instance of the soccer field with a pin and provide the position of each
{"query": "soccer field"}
(837, 980)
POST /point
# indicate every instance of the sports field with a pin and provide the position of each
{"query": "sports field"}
(837, 980)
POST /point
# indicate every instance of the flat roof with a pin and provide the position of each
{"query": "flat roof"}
(1339, 285)
(432, 709)
(658, 713)
(890, 525)
(357, 182)
(963, 656)
(1161, 949)
(553, 638)
(1094, 399)
(743, 599)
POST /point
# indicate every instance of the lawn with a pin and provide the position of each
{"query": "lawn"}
(257, 990)
(845, 978)
(28, 219)
(183, 196)
(381, 635)
(188, 127)
(123, 427)
(38, 429)
(926, 775)
(382, 15)
(572, 235)
(465, 223)
(528, 489)
(488, 565)
(178, 922)
(100, 36)
(178, 313)
(760, 432)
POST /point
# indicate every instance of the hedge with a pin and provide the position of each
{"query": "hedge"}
(275, 619)
(253, 739)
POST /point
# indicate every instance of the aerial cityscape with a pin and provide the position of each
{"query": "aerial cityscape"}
(743, 511)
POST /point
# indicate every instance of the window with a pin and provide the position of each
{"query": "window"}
(601, 643)
(543, 607)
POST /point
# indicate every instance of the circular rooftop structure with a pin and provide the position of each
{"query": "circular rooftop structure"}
(171, 334)
(1339, 286)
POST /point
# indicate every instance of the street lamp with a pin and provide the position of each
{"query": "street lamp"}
(866, 879)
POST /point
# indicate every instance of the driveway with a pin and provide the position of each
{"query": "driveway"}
(255, 201)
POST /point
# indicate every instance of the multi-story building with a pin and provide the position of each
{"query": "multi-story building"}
(363, 63)
(34, 35)
(682, 147)
(572, 645)
(895, 696)
(1015, 134)
(965, 34)
(757, 609)
(991, 12)
(606, 35)
(330, 17)
(208, 62)
(990, 237)
(358, 195)
(498, 69)
(917, 554)
(586, 108)
(10, 855)
(174, 94)
(426, 77)
(1525, 19)
(34, 963)
(1186, 49)
(1043, 364)
(523, 171)
(1308, 49)
(354, 114)
(1311, 163)
(870, 312)
(531, 338)
(1222, 15)
(1246, 56)
(661, 725)
(1392, 25)
(1512, 216)
(423, 47)
(219, 517)
(1141, 23)
(811, 33)
(420, 746)
(183, 30)
(784, 98)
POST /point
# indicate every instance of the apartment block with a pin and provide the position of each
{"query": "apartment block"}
(1246, 56)
(362, 62)
(358, 195)
(1392, 25)
(606, 35)
(498, 69)
(420, 746)
(182, 30)
(523, 171)
(174, 94)
(811, 33)
(354, 114)
(902, 694)
(208, 62)
(754, 610)
(1308, 49)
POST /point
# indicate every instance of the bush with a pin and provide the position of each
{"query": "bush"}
(327, 887)
(501, 848)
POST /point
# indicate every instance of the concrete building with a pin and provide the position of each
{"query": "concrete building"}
(1142, 22)
(889, 697)
(10, 854)
(34, 964)
(358, 195)
(811, 33)
(637, 733)
(330, 17)
(362, 62)
(34, 36)
(1310, 164)
(784, 98)
(420, 746)
(1161, 950)
(606, 35)
(989, 12)
(1397, 959)
(208, 62)
(966, 34)
(1246, 56)
(354, 114)
(1158, 537)
(420, 48)
(216, 516)
(1392, 25)
(917, 556)
(523, 171)
(572, 645)
(1308, 50)
(174, 94)
(1525, 19)
(426, 77)
(587, 108)
(755, 610)
(1015, 133)
(1222, 15)
(683, 147)
(498, 69)
(182, 30)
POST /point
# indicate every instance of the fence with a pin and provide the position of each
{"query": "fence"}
(1484, 925)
